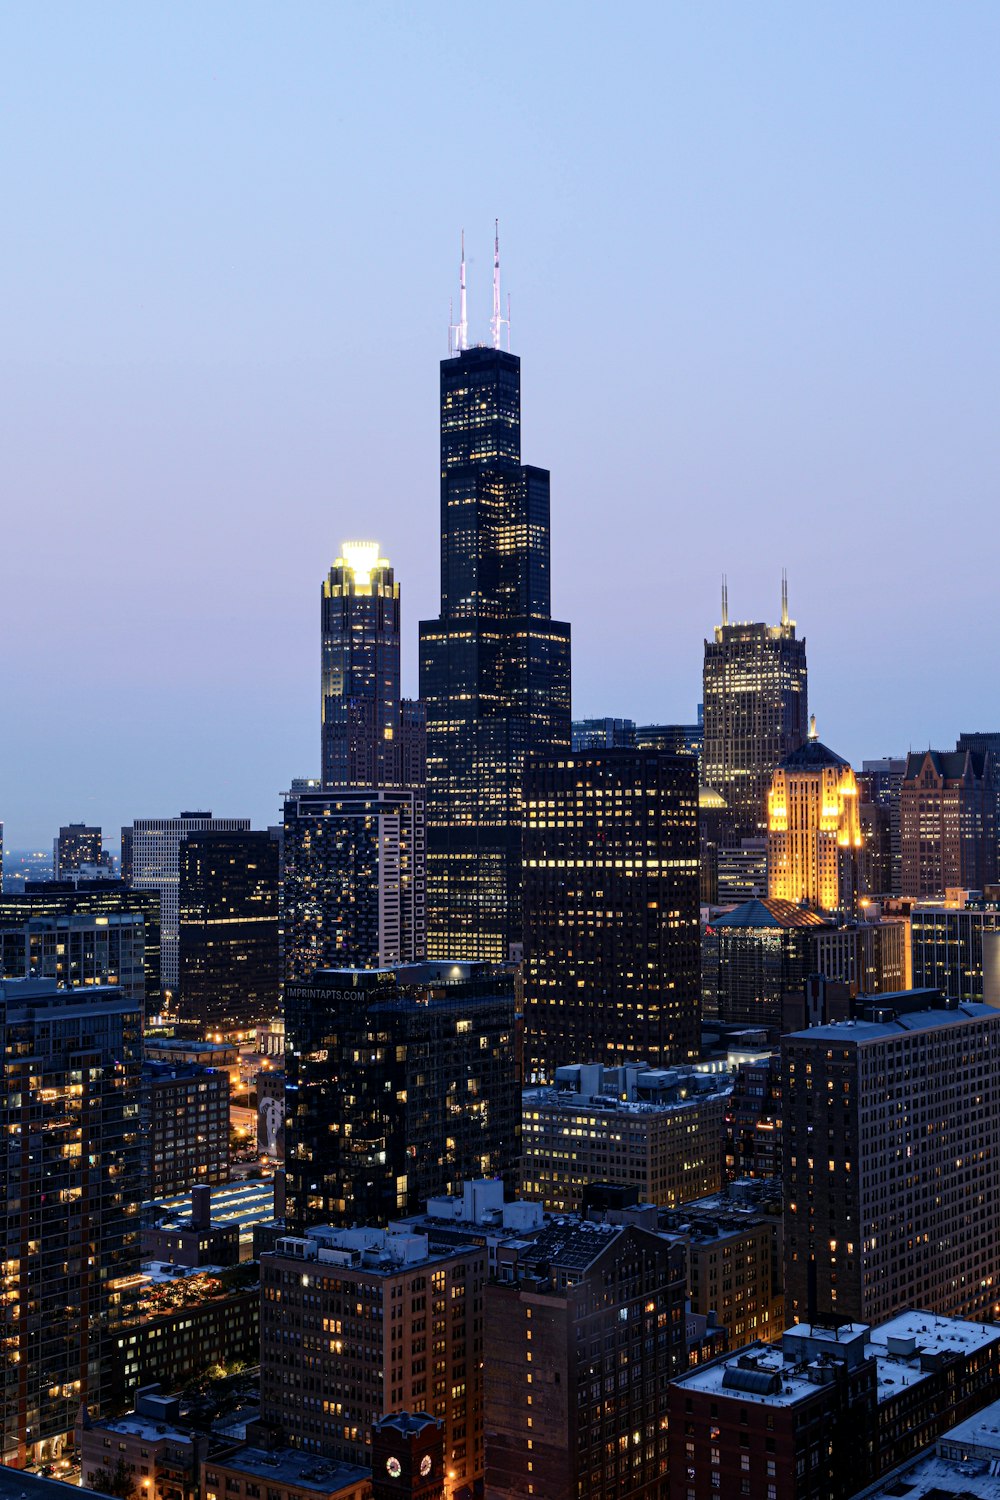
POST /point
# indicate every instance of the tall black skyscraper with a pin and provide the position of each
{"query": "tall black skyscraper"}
(399, 1085)
(494, 667)
(611, 910)
(371, 737)
(229, 966)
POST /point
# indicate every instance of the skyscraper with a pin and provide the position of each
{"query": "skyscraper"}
(891, 1137)
(947, 814)
(756, 708)
(611, 910)
(879, 786)
(813, 829)
(400, 1085)
(151, 861)
(229, 951)
(77, 844)
(61, 901)
(70, 1172)
(371, 737)
(494, 666)
(353, 878)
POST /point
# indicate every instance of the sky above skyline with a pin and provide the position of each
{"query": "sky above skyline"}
(752, 255)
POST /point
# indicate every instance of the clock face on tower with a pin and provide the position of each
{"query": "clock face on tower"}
(394, 1467)
(425, 1465)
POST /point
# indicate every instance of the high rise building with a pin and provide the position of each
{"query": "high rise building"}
(982, 741)
(891, 1130)
(603, 734)
(879, 786)
(370, 737)
(813, 830)
(956, 948)
(356, 1323)
(77, 844)
(352, 885)
(755, 955)
(185, 1127)
(151, 860)
(947, 822)
(494, 665)
(568, 1315)
(229, 969)
(82, 949)
(399, 1085)
(756, 711)
(59, 901)
(675, 739)
(741, 872)
(611, 910)
(70, 1129)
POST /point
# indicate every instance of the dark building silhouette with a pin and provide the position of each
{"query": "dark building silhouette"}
(982, 741)
(78, 844)
(70, 1169)
(399, 1085)
(371, 737)
(494, 666)
(54, 900)
(229, 970)
(948, 810)
(756, 712)
(754, 956)
(878, 787)
(185, 1127)
(353, 879)
(611, 910)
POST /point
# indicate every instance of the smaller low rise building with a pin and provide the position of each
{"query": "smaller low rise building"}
(147, 1448)
(282, 1474)
(658, 1130)
(192, 1239)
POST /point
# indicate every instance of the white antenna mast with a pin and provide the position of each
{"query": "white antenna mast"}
(458, 333)
(497, 321)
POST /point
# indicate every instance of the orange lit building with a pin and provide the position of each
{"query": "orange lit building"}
(814, 830)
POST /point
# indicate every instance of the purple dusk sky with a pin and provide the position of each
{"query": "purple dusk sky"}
(753, 254)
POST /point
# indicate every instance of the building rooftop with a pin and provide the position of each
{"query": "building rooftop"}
(812, 756)
(776, 1374)
(242, 1203)
(857, 1033)
(290, 1467)
(134, 1424)
(771, 912)
(569, 1244)
(379, 1252)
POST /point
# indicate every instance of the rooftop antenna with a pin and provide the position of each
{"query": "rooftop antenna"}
(725, 600)
(498, 320)
(458, 333)
(784, 596)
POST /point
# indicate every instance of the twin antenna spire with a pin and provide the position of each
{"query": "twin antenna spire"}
(458, 333)
(784, 598)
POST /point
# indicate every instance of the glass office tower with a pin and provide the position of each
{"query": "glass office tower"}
(494, 666)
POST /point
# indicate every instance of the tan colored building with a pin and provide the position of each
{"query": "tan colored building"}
(657, 1130)
(947, 816)
(734, 1267)
(814, 830)
(359, 1322)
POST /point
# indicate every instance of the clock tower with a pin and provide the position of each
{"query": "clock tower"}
(408, 1458)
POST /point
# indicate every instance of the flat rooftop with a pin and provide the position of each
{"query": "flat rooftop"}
(859, 1032)
(289, 1466)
